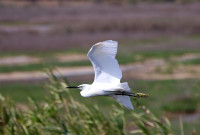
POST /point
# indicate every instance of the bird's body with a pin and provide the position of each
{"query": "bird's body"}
(107, 75)
(101, 89)
(98, 89)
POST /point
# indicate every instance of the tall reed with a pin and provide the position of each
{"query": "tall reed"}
(61, 114)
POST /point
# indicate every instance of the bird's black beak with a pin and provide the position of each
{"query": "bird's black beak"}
(73, 87)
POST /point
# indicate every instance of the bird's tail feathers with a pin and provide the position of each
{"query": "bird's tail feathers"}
(125, 86)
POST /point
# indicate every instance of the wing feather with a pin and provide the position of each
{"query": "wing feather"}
(102, 56)
(124, 100)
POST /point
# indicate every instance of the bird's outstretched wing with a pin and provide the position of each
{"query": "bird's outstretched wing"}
(102, 55)
(124, 100)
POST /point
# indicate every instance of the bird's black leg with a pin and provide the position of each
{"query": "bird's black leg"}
(125, 93)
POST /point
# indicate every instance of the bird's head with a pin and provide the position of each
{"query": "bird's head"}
(81, 87)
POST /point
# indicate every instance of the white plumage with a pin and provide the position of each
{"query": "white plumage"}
(107, 74)
(102, 55)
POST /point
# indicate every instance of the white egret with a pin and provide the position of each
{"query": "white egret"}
(107, 75)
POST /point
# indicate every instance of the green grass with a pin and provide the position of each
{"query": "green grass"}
(41, 66)
(44, 54)
(184, 105)
(21, 91)
(131, 57)
(188, 126)
(172, 96)
(50, 61)
(30, 67)
(194, 37)
(192, 62)
(167, 91)
(147, 41)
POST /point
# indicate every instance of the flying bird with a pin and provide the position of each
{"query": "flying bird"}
(107, 75)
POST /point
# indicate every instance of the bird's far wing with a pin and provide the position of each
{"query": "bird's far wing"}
(102, 55)
(124, 100)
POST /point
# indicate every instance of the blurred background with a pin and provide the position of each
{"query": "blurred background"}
(159, 50)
